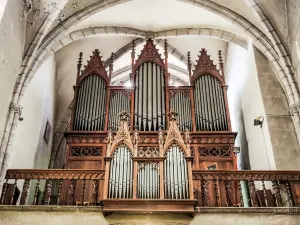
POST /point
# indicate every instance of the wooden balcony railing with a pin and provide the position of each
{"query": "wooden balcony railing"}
(247, 188)
(211, 189)
(55, 187)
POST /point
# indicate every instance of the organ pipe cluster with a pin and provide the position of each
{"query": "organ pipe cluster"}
(210, 111)
(90, 107)
(148, 180)
(150, 103)
(120, 179)
(175, 174)
(118, 103)
(182, 104)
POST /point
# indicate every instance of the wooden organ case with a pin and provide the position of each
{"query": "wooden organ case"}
(149, 138)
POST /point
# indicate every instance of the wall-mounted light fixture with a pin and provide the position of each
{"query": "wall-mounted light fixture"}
(236, 150)
(258, 121)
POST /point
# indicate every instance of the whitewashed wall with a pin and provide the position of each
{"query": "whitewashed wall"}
(246, 103)
(29, 149)
(12, 27)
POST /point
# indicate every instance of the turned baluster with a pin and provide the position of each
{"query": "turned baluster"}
(265, 193)
(204, 193)
(95, 185)
(82, 191)
(241, 194)
(4, 192)
(48, 192)
(35, 201)
(71, 192)
(13, 192)
(59, 191)
(229, 196)
(277, 193)
(216, 193)
(25, 191)
(253, 201)
(288, 188)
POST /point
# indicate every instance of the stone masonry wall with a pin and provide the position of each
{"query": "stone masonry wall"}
(281, 128)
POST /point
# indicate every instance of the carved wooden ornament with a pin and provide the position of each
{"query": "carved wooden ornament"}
(123, 134)
(174, 134)
(206, 66)
(149, 53)
(94, 66)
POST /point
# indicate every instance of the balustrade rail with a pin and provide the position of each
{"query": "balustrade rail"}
(211, 188)
(55, 187)
(247, 188)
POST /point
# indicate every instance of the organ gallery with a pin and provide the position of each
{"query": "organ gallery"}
(152, 138)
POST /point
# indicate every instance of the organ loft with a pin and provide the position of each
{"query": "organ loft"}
(150, 138)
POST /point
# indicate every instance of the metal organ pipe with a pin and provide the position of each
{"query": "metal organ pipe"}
(118, 103)
(90, 110)
(148, 180)
(182, 104)
(210, 111)
(176, 178)
(150, 97)
(120, 178)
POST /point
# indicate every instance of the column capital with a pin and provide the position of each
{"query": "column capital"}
(16, 108)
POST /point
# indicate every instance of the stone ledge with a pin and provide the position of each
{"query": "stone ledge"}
(201, 210)
(50, 208)
(257, 210)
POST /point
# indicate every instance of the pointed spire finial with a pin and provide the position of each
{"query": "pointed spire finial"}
(221, 64)
(189, 64)
(111, 65)
(79, 64)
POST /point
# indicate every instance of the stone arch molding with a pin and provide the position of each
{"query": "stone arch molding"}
(41, 47)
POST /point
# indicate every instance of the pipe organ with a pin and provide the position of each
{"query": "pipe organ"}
(149, 138)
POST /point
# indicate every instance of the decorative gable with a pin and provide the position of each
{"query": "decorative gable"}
(94, 66)
(173, 134)
(123, 134)
(149, 53)
(205, 65)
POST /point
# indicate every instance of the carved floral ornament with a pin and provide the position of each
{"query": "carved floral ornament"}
(148, 152)
(185, 92)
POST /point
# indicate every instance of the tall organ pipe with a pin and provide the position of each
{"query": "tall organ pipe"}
(150, 97)
(210, 111)
(90, 110)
